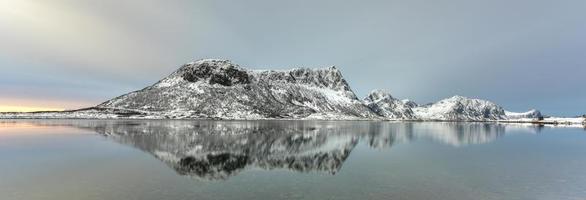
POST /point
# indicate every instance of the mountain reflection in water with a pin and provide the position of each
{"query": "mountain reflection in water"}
(217, 150)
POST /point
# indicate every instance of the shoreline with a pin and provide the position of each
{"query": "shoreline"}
(553, 121)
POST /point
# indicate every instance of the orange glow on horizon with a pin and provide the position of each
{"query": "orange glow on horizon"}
(27, 109)
(16, 104)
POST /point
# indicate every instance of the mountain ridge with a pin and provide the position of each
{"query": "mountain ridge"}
(220, 89)
(194, 89)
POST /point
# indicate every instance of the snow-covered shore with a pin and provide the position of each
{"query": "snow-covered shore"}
(551, 121)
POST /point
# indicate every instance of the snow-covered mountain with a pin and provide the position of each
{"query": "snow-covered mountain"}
(220, 89)
(458, 108)
(409, 103)
(532, 114)
(382, 103)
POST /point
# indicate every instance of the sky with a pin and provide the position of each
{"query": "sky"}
(522, 54)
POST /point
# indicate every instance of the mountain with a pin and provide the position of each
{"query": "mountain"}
(532, 114)
(409, 103)
(458, 108)
(220, 89)
(383, 104)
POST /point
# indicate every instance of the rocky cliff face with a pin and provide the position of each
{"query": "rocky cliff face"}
(382, 103)
(221, 89)
(409, 103)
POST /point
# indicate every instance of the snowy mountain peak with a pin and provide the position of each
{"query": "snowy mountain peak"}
(378, 94)
(458, 98)
(213, 71)
(466, 100)
(210, 60)
(409, 103)
(382, 103)
(531, 114)
(326, 78)
(214, 88)
(459, 108)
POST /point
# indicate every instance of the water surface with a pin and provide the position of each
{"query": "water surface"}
(142, 159)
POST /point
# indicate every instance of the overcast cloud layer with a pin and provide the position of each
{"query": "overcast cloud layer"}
(521, 54)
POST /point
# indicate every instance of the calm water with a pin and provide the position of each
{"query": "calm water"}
(81, 159)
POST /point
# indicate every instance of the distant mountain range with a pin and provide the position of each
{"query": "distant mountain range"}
(220, 89)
